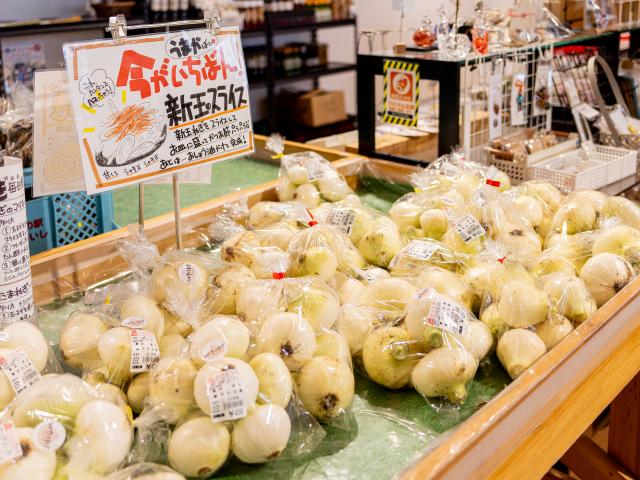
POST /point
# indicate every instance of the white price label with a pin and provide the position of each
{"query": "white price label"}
(426, 294)
(447, 316)
(19, 370)
(225, 392)
(343, 220)
(468, 228)
(187, 273)
(145, 352)
(49, 436)
(315, 169)
(134, 322)
(420, 249)
(214, 350)
(10, 448)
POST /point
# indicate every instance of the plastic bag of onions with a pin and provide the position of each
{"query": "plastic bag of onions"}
(63, 425)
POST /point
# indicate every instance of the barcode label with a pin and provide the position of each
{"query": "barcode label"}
(468, 228)
(315, 169)
(134, 322)
(19, 370)
(447, 316)
(343, 220)
(49, 436)
(214, 350)
(10, 448)
(187, 273)
(145, 352)
(225, 392)
(420, 249)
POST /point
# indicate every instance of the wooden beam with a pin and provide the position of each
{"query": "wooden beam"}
(589, 462)
(624, 427)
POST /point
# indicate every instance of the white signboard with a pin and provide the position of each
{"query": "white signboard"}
(155, 105)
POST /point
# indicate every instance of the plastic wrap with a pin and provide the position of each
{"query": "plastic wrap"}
(16, 124)
(65, 426)
(309, 178)
(146, 471)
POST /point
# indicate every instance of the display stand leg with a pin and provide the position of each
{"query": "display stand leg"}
(176, 211)
(588, 461)
(141, 205)
(624, 427)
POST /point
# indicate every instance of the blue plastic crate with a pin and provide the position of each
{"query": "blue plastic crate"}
(58, 220)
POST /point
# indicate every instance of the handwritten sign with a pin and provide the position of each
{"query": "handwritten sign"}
(158, 104)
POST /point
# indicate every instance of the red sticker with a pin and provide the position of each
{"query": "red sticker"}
(277, 275)
(493, 183)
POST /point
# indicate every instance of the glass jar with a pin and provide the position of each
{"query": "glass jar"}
(425, 35)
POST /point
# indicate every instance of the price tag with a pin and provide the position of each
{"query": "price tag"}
(214, 350)
(468, 228)
(145, 352)
(187, 273)
(420, 249)
(447, 316)
(134, 322)
(19, 370)
(225, 392)
(587, 111)
(49, 436)
(343, 220)
(315, 169)
(10, 448)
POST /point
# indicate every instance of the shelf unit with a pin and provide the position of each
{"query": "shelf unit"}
(274, 78)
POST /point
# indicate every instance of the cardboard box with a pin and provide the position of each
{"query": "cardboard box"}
(319, 107)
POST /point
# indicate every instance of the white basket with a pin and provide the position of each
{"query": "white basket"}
(569, 172)
(621, 163)
(518, 171)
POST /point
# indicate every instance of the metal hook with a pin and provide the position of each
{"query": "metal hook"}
(118, 28)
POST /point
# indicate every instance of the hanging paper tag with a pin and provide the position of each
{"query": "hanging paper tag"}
(468, 228)
(19, 370)
(542, 89)
(447, 316)
(10, 448)
(214, 350)
(343, 220)
(225, 392)
(495, 104)
(145, 352)
(420, 249)
(49, 436)
(518, 100)
(187, 273)
(571, 90)
(134, 322)
(315, 169)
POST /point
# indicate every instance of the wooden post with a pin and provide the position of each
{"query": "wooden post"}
(588, 461)
(624, 427)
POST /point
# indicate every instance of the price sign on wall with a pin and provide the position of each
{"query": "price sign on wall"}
(155, 105)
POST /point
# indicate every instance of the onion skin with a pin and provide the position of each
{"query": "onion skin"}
(605, 274)
(199, 447)
(518, 349)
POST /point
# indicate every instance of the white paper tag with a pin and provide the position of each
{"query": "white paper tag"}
(420, 249)
(187, 273)
(226, 396)
(49, 436)
(620, 121)
(495, 104)
(214, 350)
(343, 220)
(571, 90)
(19, 370)
(10, 448)
(424, 295)
(468, 228)
(315, 169)
(134, 322)
(587, 111)
(518, 99)
(447, 316)
(145, 352)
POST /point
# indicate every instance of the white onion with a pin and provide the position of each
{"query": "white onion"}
(262, 435)
(325, 386)
(605, 274)
(288, 335)
(274, 379)
(518, 349)
(444, 372)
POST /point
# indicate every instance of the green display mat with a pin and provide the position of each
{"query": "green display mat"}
(384, 430)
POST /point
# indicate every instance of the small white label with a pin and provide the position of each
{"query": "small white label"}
(315, 169)
(187, 273)
(226, 396)
(145, 352)
(19, 370)
(49, 436)
(343, 220)
(468, 228)
(134, 322)
(420, 249)
(426, 294)
(214, 350)
(587, 111)
(10, 448)
(447, 316)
